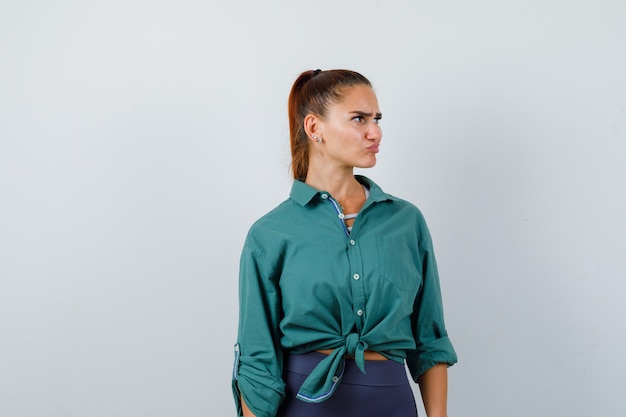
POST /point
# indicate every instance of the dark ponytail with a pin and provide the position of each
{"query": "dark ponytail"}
(311, 93)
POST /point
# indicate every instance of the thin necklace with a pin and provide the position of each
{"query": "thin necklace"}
(341, 205)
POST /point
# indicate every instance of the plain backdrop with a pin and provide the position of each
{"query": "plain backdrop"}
(140, 139)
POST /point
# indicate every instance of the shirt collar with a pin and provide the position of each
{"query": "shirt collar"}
(303, 193)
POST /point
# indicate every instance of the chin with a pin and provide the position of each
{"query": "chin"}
(368, 164)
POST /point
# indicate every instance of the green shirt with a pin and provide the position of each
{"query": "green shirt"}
(306, 283)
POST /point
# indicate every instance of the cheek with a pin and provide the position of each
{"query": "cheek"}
(348, 134)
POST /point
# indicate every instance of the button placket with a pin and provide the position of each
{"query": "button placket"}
(356, 277)
(327, 197)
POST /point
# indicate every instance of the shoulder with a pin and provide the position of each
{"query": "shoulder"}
(392, 202)
(272, 223)
(411, 218)
(400, 213)
(411, 210)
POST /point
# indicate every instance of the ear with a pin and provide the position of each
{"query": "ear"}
(312, 125)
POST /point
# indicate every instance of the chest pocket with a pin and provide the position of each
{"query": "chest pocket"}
(399, 263)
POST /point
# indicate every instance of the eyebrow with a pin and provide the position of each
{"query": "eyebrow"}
(365, 114)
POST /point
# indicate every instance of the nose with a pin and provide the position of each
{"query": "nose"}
(374, 132)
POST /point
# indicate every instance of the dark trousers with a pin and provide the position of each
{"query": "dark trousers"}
(383, 392)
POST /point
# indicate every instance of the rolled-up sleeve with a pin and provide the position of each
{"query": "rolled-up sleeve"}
(257, 372)
(431, 338)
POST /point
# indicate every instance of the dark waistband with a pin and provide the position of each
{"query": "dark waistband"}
(379, 373)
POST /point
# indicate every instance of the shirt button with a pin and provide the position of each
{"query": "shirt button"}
(352, 242)
(359, 312)
(324, 196)
(335, 379)
(356, 276)
(341, 216)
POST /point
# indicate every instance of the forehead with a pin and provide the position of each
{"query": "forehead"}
(358, 97)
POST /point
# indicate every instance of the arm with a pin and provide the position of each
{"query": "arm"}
(434, 388)
(434, 352)
(257, 373)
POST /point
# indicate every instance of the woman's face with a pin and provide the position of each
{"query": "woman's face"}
(350, 132)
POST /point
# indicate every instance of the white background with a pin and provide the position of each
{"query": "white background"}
(140, 139)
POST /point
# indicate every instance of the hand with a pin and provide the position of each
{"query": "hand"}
(245, 409)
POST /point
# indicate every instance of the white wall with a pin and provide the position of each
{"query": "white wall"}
(140, 139)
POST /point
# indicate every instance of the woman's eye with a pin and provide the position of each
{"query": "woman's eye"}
(358, 119)
(377, 120)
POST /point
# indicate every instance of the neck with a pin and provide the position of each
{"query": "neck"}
(341, 184)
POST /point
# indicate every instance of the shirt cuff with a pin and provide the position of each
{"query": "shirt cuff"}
(261, 391)
(430, 354)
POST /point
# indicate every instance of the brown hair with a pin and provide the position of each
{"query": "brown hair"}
(311, 93)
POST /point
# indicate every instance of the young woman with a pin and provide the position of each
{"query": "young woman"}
(338, 284)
